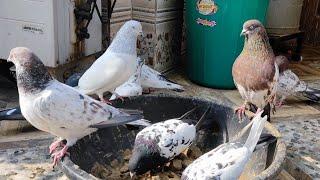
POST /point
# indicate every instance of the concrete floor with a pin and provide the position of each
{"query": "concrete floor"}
(25, 155)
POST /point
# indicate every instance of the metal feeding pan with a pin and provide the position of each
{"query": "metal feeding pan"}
(221, 124)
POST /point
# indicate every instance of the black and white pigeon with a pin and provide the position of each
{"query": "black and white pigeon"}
(151, 78)
(60, 109)
(161, 142)
(255, 71)
(132, 87)
(228, 160)
(116, 65)
(289, 84)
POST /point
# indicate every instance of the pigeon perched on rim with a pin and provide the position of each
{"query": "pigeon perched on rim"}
(116, 65)
(132, 87)
(228, 160)
(289, 84)
(161, 142)
(60, 109)
(255, 71)
(151, 78)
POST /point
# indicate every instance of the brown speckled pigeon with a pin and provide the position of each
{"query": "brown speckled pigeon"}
(255, 72)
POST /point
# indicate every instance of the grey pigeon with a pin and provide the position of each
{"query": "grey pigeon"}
(289, 84)
(228, 160)
(161, 142)
(116, 65)
(255, 71)
(60, 109)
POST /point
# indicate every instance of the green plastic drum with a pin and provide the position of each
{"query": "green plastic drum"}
(213, 37)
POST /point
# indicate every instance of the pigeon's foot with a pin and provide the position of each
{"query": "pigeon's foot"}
(107, 101)
(54, 145)
(279, 104)
(58, 155)
(241, 112)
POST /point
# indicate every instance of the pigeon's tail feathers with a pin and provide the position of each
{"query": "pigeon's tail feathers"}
(11, 114)
(265, 140)
(255, 132)
(202, 118)
(171, 85)
(113, 97)
(312, 94)
(131, 111)
(140, 122)
(118, 120)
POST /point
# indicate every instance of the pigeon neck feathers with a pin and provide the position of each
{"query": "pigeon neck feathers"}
(32, 75)
(124, 43)
(258, 45)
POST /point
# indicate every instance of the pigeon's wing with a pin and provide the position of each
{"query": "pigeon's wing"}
(104, 71)
(218, 163)
(65, 107)
(127, 90)
(290, 84)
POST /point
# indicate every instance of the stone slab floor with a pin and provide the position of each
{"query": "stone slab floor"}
(25, 155)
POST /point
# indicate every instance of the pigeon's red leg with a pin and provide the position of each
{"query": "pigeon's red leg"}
(241, 111)
(58, 155)
(54, 146)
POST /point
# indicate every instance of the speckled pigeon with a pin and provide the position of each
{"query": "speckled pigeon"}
(161, 142)
(116, 65)
(228, 160)
(290, 85)
(255, 71)
(60, 109)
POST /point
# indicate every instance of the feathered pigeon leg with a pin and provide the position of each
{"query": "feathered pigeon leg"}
(241, 111)
(55, 144)
(58, 155)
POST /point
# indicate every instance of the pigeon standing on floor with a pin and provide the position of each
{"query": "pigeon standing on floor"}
(116, 65)
(255, 71)
(151, 78)
(159, 143)
(60, 109)
(132, 87)
(289, 84)
(227, 161)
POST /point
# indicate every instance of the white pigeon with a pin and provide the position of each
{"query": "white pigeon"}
(132, 87)
(289, 84)
(161, 142)
(227, 161)
(60, 109)
(116, 65)
(151, 78)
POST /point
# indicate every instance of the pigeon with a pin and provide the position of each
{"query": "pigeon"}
(289, 84)
(161, 142)
(59, 109)
(116, 65)
(255, 71)
(228, 160)
(151, 78)
(132, 87)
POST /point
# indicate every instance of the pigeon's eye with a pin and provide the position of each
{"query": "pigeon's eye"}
(251, 27)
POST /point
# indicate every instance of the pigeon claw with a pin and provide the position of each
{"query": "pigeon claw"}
(241, 112)
(57, 156)
(54, 146)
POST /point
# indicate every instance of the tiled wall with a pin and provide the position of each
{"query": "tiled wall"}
(162, 24)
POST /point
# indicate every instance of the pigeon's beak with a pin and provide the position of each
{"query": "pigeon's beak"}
(243, 32)
(132, 175)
